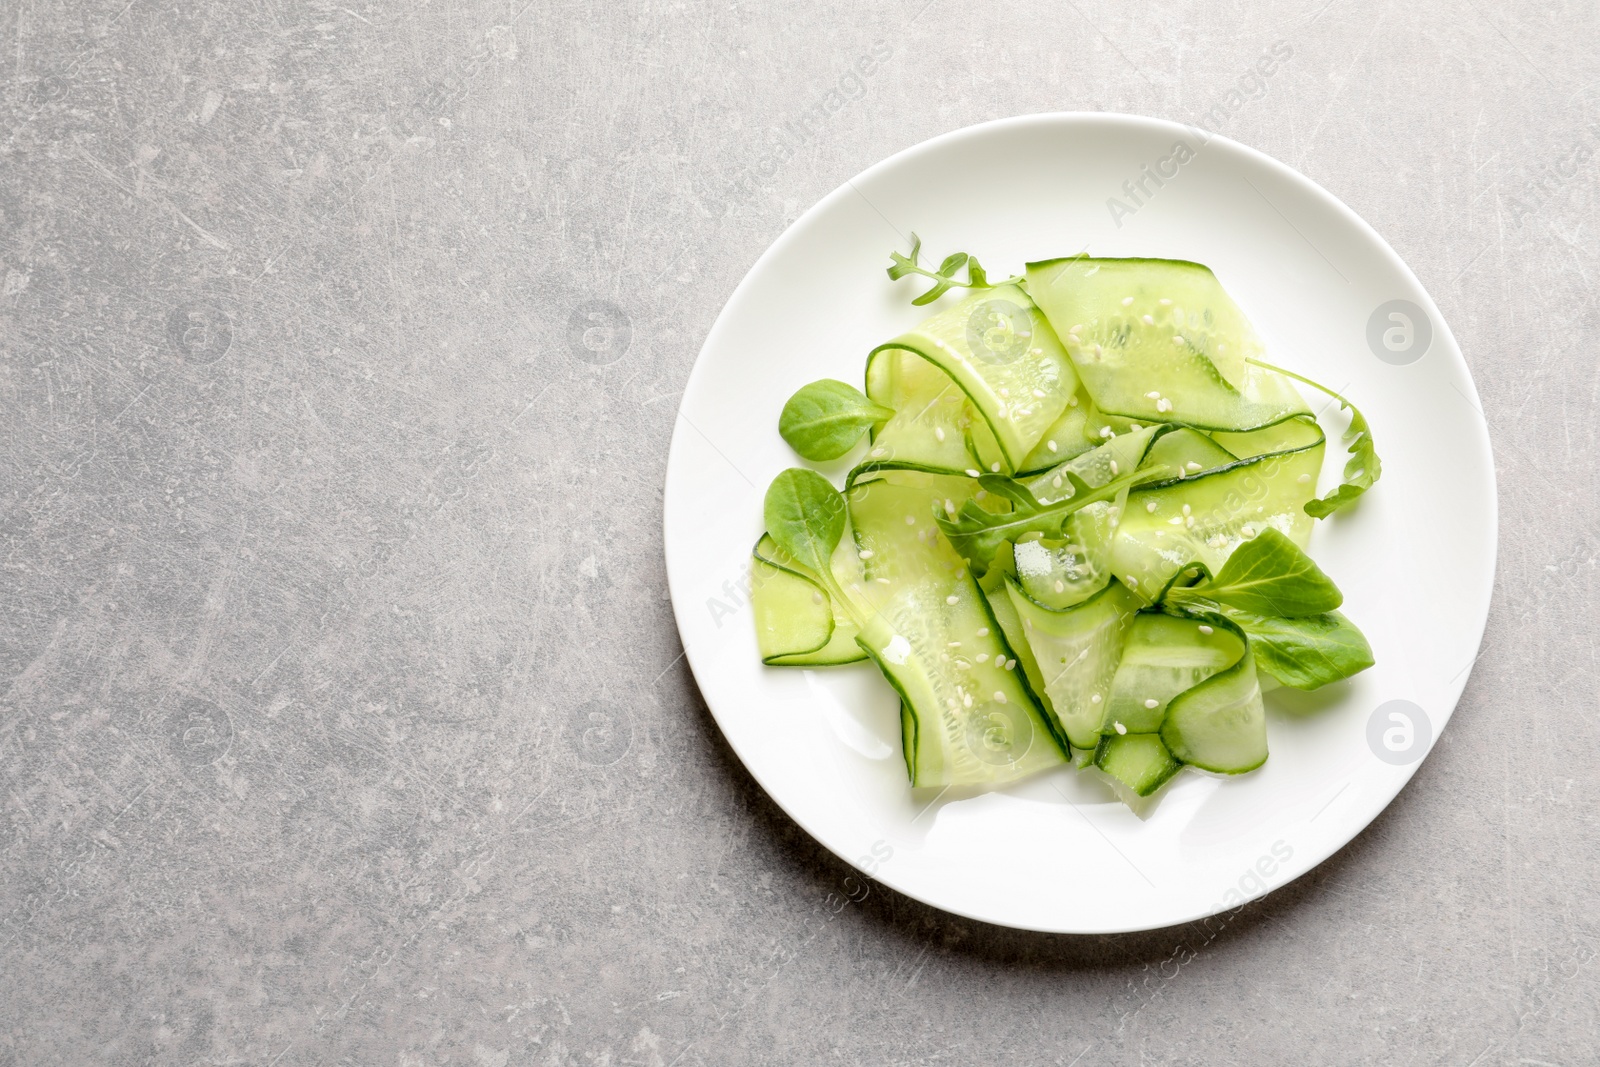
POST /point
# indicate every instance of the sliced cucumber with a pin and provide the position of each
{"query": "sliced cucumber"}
(1005, 614)
(1220, 724)
(1139, 761)
(1118, 454)
(1160, 340)
(792, 613)
(1059, 573)
(782, 641)
(1163, 657)
(1167, 526)
(930, 630)
(1188, 452)
(993, 349)
(1290, 435)
(1068, 436)
(1075, 655)
(932, 416)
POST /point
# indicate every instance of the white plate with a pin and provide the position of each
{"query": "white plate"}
(1415, 558)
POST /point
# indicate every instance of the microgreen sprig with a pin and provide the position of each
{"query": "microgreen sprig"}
(944, 279)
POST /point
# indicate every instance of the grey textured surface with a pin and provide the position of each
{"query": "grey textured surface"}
(342, 720)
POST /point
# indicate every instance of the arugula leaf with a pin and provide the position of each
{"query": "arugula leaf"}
(825, 419)
(1307, 652)
(1270, 575)
(805, 516)
(977, 534)
(944, 279)
(1010, 489)
(1361, 470)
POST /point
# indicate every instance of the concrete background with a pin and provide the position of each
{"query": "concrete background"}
(343, 720)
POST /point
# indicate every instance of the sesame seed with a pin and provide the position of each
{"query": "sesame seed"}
(971, 473)
(1121, 729)
(1135, 427)
(1148, 320)
(952, 600)
(995, 467)
(983, 631)
(1164, 302)
(938, 431)
(983, 657)
(949, 507)
(1186, 509)
(1163, 404)
(1127, 300)
(1152, 395)
(1072, 401)
(1208, 631)
(1011, 664)
(1113, 466)
(1095, 699)
(911, 520)
(1303, 479)
(879, 452)
(1189, 522)
(955, 644)
(1000, 698)
(883, 581)
(1175, 520)
(865, 553)
(1192, 465)
(1152, 703)
(1051, 445)
(981, 494)
(966, 700)
(1061, 587)
(1038, 392)
(1107, 432)
(1151, 507)
(1004, 391)
(1076, 328)
(1177, 338)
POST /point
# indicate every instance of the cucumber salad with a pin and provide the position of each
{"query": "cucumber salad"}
(1076, 532)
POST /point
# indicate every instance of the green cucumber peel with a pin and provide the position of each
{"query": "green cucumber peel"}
(977, 534)
(944, 279)
(1268, 575)
(825, 419)
(1361, 470)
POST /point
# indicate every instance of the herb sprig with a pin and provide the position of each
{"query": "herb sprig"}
(944, 279)
(1363, 467)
